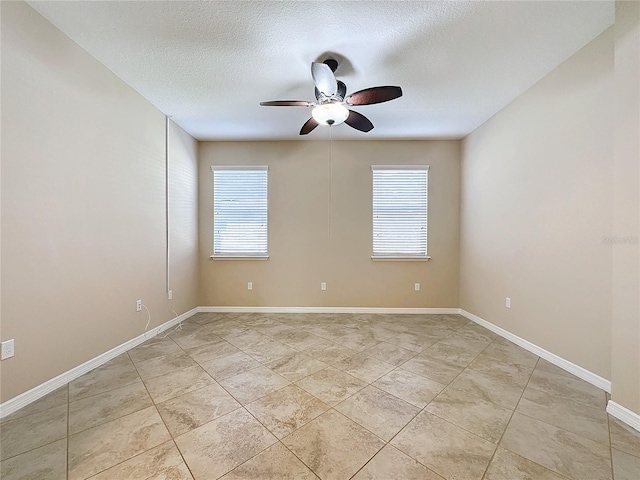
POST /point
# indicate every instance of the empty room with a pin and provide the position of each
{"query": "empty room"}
(320, 240)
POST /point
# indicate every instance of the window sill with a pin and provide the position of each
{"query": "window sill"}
(400, 259)
(239, 257)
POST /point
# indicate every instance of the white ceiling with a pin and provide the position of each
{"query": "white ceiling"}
(209, 64)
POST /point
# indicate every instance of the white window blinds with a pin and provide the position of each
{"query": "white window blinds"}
(240, 211)
(400, 211)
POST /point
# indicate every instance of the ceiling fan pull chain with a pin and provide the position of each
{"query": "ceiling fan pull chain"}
(329, 208)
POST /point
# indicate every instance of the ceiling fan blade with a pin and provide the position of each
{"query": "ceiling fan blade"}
(308, 126)
(286, 103)
(342, 89)
(358, 121)
(372, 95)
(324, 79)
(317, 92)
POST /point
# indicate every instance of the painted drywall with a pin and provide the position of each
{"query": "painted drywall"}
(536, 200)
(626, 210)
(83, 205)
(316, 236)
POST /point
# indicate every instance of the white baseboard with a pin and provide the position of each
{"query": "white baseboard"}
(49, 386)
(421, 311)
(623, 414)
(570, 367)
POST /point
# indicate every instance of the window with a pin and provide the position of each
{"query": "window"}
(400, 212)
(239, 211)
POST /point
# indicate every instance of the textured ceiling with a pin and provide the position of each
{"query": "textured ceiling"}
(209, 64)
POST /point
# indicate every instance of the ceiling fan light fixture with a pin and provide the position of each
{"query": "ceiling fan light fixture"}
(330, 113)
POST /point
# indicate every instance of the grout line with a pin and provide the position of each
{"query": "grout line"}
(509, 422)
(613, 472)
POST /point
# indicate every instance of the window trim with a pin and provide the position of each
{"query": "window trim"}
(401, 258)
(238, 256)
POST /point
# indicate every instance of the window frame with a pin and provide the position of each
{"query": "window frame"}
(396, 256)
(238, 255)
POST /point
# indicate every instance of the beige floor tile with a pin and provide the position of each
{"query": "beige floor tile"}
(298, 339)
(219, 446)
(246, 339)
(269, 352)
(488, 388)
(329, 352)
(485, 419)
(623, 437)
(211, 351)
(157, 366)
(258, 382)
(413, 341)
(434, 368)
(331, 385)
(391, 464)
(378, 411)
(177, 383)
(206, 317)
(106, 445)
(286, 410)
(186, 412)
(333, 446)
(580, 419)
(229, 365)
(570, 387)
(409, 386)
(33, 431)
(92, 411)
(625, 466)
(102, 379)
(510, 373)
(563, 452)
(225, 328)
(509, 466)
(296, 366)
(359, 340)
(476, 332)
(508, 352)
(446, 449)
(163, 462)
(274, 463)
(274, 329)
(549, 367)
(44, 463)
(56, 398)
(367, 369)
(154, 347)
(456, 350)
(194, 337)
(389, 353)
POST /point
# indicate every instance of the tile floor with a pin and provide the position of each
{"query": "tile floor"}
(257, 396)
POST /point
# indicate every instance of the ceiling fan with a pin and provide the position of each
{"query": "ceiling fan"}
(332, 100)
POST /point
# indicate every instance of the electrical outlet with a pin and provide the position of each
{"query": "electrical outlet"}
(249, 285)
(323, 286)
(416, 287)
(138, 305)
(170, 294)
(508, 302)
(7, 349)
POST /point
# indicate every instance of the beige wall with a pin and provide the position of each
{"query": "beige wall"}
(536, 203)
(626, 210)
(83, 205)
(302, 255)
